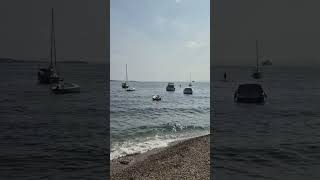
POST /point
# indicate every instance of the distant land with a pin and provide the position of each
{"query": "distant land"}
(10, 60)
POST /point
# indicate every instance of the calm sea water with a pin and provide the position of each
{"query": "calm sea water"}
(278, 140)
(139, 124)
(52, 136)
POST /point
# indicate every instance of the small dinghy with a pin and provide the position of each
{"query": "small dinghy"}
(63, 88)
(131, 89)
(156, 98)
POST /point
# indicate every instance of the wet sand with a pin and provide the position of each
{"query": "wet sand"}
(188, 159)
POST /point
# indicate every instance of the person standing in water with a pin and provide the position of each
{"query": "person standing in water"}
(225, 76)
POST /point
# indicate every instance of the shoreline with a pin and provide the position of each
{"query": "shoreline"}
(184, 159)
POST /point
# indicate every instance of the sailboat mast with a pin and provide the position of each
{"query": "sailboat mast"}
(51, 39)
(257, 53)
(126, 74)
(54, 41)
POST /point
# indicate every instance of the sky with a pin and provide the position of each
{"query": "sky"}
(288, 29)
(160, 40)
(80, 29)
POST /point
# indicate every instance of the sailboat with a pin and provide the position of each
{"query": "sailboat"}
(50, 74)
(190, 81)
(125, 84)
(257, 74)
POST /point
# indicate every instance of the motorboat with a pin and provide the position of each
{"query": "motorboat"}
(250, 93)
(131, 89)
(64, 88)
(156, 98)
(187, 90)
(170, 87)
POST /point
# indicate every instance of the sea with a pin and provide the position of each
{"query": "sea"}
(139, 124)
(49, 136)
(277, 140)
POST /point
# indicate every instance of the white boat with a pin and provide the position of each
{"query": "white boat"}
(156, 98)
(64, 88)
(131, 89)
(257, 74)
(187, 90)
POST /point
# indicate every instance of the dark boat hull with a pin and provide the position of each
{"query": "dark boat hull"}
(66, 90)
(170, 89)
(250, 100)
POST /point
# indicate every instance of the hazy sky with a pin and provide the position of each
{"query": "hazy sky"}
(80, 29)
(289, 30)
(160, 40)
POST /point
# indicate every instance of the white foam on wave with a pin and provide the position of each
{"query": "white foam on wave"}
(146, 144)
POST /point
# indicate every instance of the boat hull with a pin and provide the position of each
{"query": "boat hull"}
(251, 100)
(65, 90)
(170, 89)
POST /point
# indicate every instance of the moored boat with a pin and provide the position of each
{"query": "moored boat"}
(131, 89)
(64, 88)
(156, 98)
(187, 90)
(170, 87)
(50, 75)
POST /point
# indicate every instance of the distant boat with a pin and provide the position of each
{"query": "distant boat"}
(187, 90)
(170, 87)
(125, 84)
(131, 89)
(257, 74)
(267, 62)
(64, 88)
(190, 84)
(50, 74)
(156, 98)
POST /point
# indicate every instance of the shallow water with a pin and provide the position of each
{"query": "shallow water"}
(50, 136)
(277, 140)
(139, 124)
